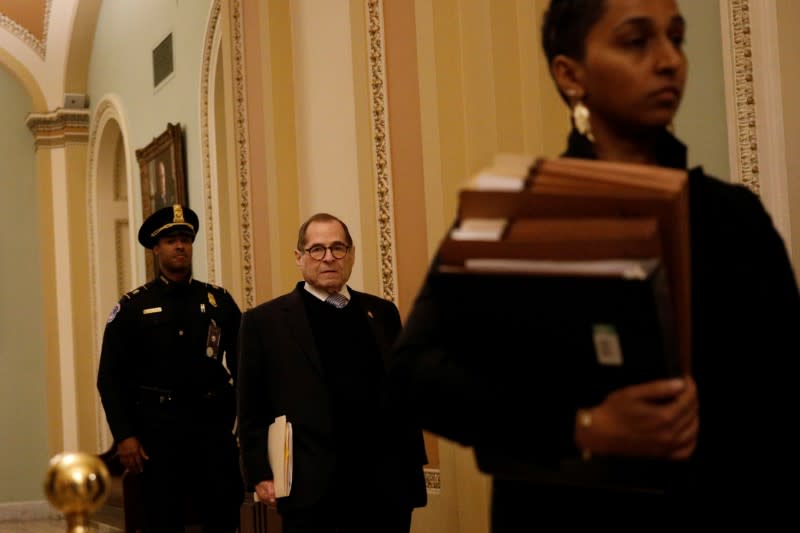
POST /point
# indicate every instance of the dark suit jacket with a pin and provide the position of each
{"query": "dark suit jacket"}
(281, 373)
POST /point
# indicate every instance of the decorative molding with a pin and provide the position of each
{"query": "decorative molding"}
(433, 480)
(242, 154)
(38, 46)
(106, 111)
(380, 149)
(60, 127)
(744, 103)
(104, 108)
(205, 108)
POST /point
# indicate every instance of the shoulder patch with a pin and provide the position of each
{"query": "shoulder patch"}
(113, 313)
(129, 295)
(216, 288)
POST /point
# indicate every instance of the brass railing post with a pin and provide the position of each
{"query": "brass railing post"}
(77, 484)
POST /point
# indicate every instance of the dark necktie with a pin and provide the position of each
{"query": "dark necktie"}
(337, 300)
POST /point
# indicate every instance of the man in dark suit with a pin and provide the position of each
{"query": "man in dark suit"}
(357, 465)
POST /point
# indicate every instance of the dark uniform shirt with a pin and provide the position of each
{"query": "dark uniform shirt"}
(165, 343)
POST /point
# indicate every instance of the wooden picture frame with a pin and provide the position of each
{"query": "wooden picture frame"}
(163, 178)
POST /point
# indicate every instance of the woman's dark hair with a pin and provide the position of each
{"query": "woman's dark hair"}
(566, 24)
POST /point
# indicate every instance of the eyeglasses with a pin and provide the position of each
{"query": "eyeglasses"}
(317, 252)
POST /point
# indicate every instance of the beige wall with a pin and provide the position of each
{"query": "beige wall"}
(789, 43)
(326, 119)
(271, 103)
(478, 87)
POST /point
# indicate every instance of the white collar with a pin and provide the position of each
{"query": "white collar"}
(322, 295)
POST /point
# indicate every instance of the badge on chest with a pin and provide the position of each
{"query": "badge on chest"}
(212, 343)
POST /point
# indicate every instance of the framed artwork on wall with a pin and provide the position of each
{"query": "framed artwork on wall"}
(163, 175)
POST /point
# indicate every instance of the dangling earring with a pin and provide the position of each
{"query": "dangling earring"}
(580, 117)
(580, 114)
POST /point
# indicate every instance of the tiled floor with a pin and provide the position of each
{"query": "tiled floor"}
(46, 526)
(108, 519)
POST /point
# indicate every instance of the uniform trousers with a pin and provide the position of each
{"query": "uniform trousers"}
(193, 476)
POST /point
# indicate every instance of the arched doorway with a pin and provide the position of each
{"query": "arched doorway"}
(112, 262)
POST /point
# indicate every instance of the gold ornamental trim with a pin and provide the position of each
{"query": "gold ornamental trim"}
(242, 154)
(205, 88)
(380, 150)
(744, 94)
(433, 480)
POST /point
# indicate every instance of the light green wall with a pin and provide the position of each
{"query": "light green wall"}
(121, 64)
(701, 121)
(23, 424)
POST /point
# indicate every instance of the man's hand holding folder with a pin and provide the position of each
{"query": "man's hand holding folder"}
(279, 452)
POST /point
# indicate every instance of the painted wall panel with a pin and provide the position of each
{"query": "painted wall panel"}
(23, 460)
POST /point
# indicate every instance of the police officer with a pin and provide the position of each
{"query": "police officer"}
(165, 380)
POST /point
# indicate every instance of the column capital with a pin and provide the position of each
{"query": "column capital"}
(59, 128)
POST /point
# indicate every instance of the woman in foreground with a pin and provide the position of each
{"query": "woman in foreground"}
(723, 432)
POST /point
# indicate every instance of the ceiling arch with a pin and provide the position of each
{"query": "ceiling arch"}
(19, 71)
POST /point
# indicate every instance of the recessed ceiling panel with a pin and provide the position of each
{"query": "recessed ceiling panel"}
(28, 14)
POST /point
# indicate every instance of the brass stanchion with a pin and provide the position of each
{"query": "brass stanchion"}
(77, 484)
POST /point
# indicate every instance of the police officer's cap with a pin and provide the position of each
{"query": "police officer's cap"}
(171, 220)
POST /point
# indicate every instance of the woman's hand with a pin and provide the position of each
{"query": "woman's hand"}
(656, 419)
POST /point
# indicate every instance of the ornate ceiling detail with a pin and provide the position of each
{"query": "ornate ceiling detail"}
(14, 22)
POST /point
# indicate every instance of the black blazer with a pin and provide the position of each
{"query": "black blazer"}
(281, 373)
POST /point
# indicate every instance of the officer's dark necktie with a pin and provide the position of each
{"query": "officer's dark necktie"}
(337, 300)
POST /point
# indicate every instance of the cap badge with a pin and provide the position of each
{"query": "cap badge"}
(177, 213)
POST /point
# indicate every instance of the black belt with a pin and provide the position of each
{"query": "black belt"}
(150, 394)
